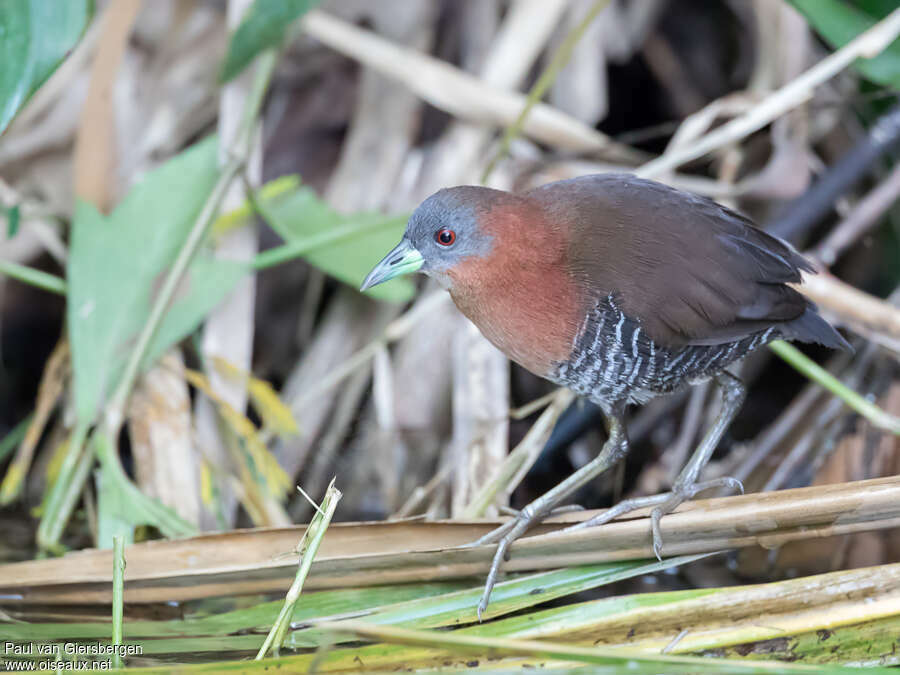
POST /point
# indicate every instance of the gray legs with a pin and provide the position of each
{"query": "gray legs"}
(686, 485)
(613, 450)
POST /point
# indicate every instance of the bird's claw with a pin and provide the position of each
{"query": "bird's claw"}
(558, 511)
(482, 606)
(504, 536)
(679, 495)
(731, 484)
(494, 535)
(663, 504)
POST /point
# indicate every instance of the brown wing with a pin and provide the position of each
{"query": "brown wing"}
(692, 270)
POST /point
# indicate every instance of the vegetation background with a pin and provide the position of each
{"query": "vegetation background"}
(190, 194)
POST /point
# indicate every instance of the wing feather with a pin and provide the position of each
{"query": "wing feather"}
(694, 271)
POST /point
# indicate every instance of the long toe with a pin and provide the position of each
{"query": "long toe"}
(518, 527)
(620, 509)
(494, 535)
(499, 557)
(672, 502)
(693, 489)
(728, 483)
(679, 495)
(558, 511)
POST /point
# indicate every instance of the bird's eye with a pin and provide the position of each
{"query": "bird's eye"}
(445, 237)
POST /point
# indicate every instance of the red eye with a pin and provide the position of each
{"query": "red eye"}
(445, 237)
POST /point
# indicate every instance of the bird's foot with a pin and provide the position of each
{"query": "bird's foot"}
(559, 510)
(679, 495)
(663, 504)
(504, 536)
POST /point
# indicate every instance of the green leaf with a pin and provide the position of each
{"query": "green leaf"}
(879, 8)
(35, 36)
(838, 23)
(117, 263)
(13, 216)
(115, 512)
(364, 238)
(316, 605)
(865, 643)
(410, 606)
(121, 506)
(12, 439)
(262, 27)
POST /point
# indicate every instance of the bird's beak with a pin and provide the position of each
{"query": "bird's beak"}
(404, 258)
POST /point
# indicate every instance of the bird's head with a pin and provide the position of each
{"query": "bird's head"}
(451, 235)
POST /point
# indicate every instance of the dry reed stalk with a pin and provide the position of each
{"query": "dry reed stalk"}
(355, 554)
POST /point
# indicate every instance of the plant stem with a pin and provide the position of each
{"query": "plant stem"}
(273, 190)
(33, 277)
(66, 489)
(78, 460)
(878, 417)
(296, 248)
(14, 437)
(117, 596)
(155, 513)
(519, 460)
(308, 547)
(560, 58)
(116, 407)
(867, 44)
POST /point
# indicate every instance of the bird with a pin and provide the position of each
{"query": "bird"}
(619, 288)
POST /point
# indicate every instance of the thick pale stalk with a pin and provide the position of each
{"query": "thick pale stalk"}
(401, 551)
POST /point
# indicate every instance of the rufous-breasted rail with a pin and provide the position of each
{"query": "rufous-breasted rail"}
(619, 288)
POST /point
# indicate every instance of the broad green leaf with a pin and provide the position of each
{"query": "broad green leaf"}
(409, 606)
(262, 27)
(121, 506)
(364, 239)
(118, 262)
(316, 605)
(838, 22)
(879, 8)
(115, 514)
(35, 36)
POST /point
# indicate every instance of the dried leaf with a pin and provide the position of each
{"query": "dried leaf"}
(263, 465)
(276, 415)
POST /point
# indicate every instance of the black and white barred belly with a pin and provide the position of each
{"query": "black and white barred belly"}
(614, 360)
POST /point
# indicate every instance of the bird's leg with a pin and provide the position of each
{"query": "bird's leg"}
(686, 485)
(558, 511)
(613, 450)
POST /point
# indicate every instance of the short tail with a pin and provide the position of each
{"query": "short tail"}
(811, 327)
